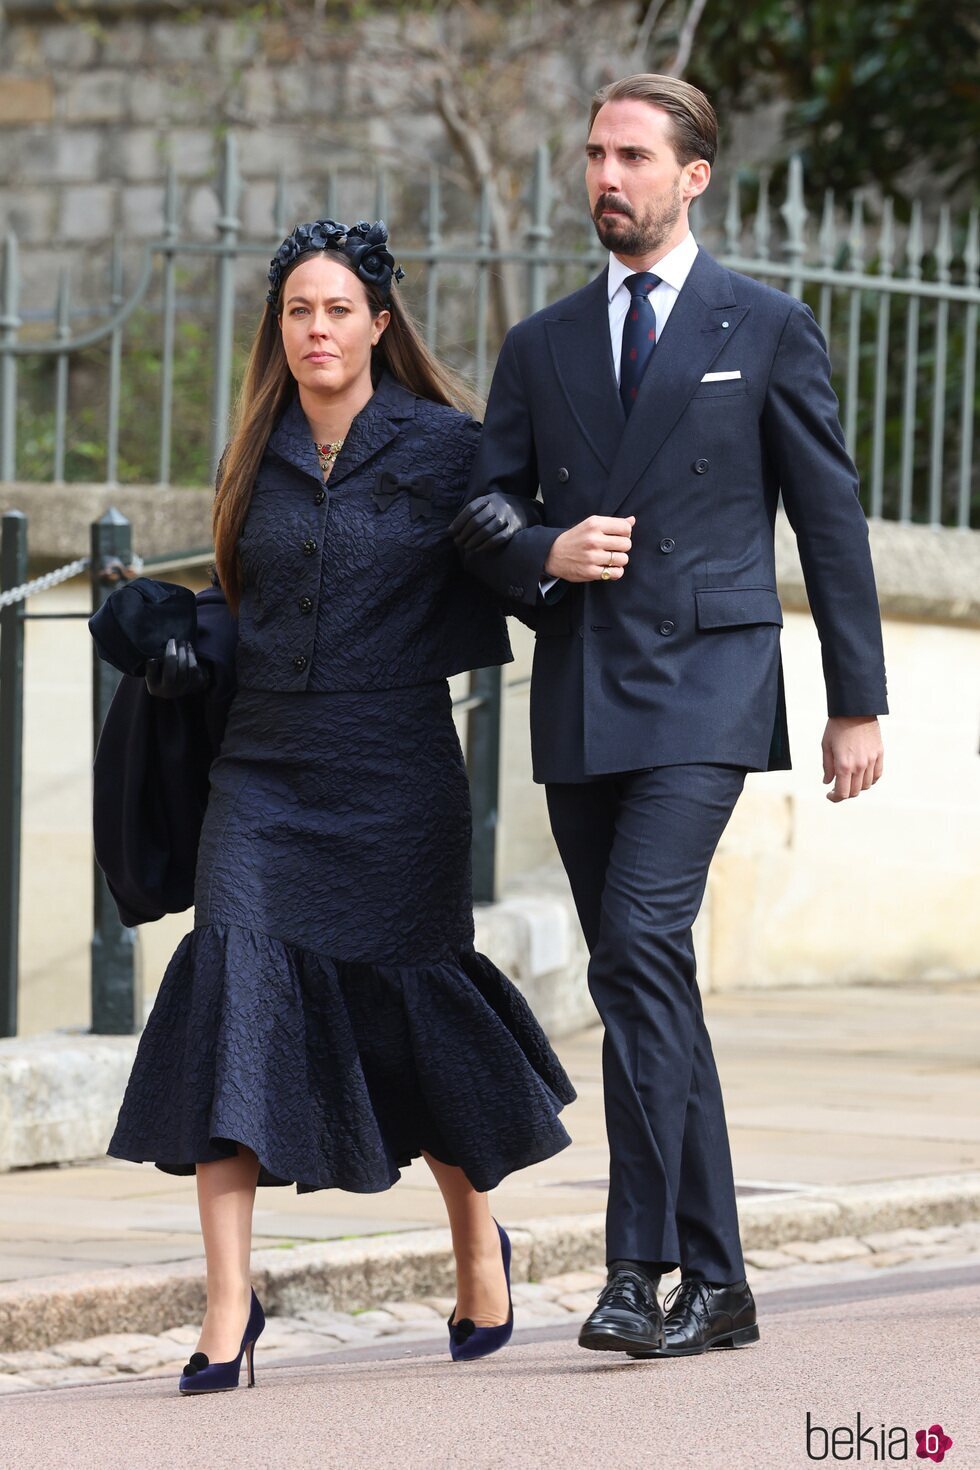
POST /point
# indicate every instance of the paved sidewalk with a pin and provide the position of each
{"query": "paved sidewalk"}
(827, 1086)
(562, 1300)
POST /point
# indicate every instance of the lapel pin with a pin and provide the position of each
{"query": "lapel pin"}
(724, 324)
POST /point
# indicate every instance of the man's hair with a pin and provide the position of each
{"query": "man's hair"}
(694, 130)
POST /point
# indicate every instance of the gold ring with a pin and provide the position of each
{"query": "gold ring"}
(604, 574)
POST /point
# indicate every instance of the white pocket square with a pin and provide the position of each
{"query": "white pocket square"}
(720, 377)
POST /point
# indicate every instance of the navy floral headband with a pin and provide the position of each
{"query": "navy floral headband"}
(363, 244)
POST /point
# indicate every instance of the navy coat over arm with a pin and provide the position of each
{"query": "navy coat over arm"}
(679, 660)
(150, 782)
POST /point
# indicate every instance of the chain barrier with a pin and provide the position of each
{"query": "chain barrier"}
(42, 584)
(113, 571)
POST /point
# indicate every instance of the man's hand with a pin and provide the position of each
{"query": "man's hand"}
(853, 755)
(595, 549)
(177, 672)
(488, 522)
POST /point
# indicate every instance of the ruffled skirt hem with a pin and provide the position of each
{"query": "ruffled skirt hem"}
(337, 1074)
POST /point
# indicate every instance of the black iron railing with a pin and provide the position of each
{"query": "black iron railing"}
(116, 994)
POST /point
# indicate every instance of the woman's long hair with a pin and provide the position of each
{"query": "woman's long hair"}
(267, 387)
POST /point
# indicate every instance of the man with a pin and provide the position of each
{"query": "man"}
(661, 410)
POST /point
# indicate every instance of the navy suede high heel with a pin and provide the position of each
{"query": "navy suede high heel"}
(466, 1340)
(200, 1375)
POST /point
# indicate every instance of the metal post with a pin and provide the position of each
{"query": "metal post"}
(224, 326)
(539, 231)
(483, 763)
(117, 1000)
(794, 212)
(9, 323)
(13, 571)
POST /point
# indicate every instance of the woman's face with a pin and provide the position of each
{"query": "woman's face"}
(328, 326)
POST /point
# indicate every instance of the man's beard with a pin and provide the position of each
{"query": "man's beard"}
(627, 235)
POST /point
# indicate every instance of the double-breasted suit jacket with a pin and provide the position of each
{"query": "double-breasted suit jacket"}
(679, 660)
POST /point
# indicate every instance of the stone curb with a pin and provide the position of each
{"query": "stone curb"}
(354, 1275)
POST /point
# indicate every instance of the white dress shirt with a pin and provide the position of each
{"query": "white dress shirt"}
(673, 270)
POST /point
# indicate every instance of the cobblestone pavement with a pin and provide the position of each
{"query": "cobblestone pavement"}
(537, 1304)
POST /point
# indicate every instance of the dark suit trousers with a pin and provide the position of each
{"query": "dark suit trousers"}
(636, 848)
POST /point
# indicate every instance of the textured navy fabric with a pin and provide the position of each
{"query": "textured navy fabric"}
(389, 602)
(679, 660)
(329, 1009)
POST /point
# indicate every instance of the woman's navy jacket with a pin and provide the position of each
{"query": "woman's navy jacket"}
(369, 549)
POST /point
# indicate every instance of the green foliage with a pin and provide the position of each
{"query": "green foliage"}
(139, 406)
(872, 86)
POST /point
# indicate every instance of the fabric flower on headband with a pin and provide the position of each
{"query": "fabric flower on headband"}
(363, 244)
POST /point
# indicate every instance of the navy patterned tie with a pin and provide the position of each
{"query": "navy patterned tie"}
(639, 336)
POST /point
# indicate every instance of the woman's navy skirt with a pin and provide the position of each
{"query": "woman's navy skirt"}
(329, 1010)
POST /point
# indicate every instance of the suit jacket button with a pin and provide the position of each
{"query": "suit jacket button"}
(563, 476)
(306, 604)
(666, 545)
(666, 627)
(701, 466)
(319, 497)
(299, 662)
(309, 546)
(518, 591)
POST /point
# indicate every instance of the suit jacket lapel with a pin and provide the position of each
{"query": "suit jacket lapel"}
(581, 351)
(375, 426)
(702, 320)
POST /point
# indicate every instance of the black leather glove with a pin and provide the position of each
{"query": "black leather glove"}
(177, 672)
(491, 520)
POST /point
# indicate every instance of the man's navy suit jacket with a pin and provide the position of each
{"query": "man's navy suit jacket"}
(679, 660)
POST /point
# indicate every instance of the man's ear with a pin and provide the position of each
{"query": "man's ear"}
(699, 177)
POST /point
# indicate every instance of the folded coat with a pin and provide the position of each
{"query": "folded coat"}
(151, 772)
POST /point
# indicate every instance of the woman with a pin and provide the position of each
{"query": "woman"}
(328, 1019)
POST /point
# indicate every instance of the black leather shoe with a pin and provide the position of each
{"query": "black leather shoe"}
(627, 1316)
(704, 1317)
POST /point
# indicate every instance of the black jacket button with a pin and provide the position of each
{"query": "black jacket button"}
(563, 476)
(666, 545)
(299, 662)
(518, 591)
(319, 497)
(306, 604)
(666, 627)
(701, 466)
(309, 546)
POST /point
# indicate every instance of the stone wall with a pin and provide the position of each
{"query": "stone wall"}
(94, 97)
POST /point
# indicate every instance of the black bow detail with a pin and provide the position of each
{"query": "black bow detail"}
(388, 487)
(461, 1330)
(197, 1362)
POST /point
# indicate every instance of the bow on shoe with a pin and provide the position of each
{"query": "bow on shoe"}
(388, 487)
(462, 1330)
(196, 1363)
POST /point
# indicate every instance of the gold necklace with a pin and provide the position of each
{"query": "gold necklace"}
(327, 454)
